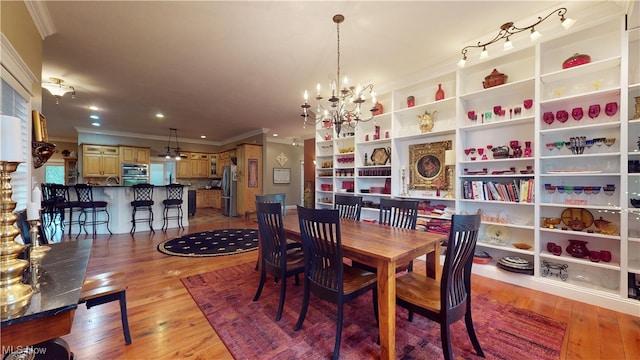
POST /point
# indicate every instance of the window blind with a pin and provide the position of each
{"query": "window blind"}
(13, 104)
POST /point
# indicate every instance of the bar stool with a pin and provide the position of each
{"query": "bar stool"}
(60, 194)
(48, 205)
(142, 200)
(173, 201)
(87, 205)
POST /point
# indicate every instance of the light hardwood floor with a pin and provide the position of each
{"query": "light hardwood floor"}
(165, 323)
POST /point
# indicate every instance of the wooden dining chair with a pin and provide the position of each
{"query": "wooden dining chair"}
(325, 274)
(277, 259)
(448, 300)
(398, 213)
(282, 200)
(349, 206)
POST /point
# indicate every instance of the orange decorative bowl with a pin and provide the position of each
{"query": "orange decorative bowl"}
(494, 79)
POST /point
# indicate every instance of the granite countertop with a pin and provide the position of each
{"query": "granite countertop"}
(60, 276)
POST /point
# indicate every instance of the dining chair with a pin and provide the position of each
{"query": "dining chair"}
(325, 274)
(398, 213)
(276, 258)
(274, 198)
(282, 200)
(349, 206)
(449, 299)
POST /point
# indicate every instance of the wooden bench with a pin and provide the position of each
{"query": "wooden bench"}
(106, 287)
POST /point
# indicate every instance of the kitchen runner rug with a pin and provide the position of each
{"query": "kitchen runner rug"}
(249, 330)
(211, 243)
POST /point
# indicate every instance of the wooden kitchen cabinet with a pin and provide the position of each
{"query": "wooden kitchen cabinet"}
(208, 198)
(200, 165)
(183, 168)
(134, 155)
(100, 161)
(249, 161)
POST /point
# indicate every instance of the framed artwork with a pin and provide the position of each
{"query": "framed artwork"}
(39, 126)
(427, 169)
(281, 175)
(253, 173)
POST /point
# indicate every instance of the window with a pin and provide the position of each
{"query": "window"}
(54, 174)
(14, 104)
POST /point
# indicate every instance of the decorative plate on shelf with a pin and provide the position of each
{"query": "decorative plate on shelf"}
(498, 234)
(380, 156)
(580, 214)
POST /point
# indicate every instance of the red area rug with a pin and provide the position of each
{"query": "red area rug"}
(249, 329)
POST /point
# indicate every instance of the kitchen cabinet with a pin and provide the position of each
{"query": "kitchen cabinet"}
(213, 166)
(71, 171)
(200, 166)
(134, 155)
(208, 198)
(100, 161)
(249, 161)
(183, 168)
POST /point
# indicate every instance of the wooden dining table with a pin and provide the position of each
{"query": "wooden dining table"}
(383, 247)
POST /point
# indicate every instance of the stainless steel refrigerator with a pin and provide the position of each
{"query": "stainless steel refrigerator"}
(229, 191)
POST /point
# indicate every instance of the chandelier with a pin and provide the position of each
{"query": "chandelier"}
(173, 152)
(508, 29)
(344, 106)
(57, 89)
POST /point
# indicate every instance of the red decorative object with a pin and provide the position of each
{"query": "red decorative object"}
(575, 60)
(379, 109)
(439, 93)
(494, 79)
(578, 248)
(411, 101)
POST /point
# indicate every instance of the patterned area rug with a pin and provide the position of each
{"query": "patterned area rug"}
(249, 329)
(212, 243)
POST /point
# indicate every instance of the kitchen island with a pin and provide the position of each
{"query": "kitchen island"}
(118, 198)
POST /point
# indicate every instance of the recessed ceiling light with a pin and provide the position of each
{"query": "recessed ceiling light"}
(159, 115)
(275, 134)
(203, 136)
(95, 123)
(94, 116)
(94, 108)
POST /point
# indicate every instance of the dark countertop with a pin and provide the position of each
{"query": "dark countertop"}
(61, 275)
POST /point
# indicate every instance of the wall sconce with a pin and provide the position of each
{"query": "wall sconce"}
(508, 29)
(57, 89)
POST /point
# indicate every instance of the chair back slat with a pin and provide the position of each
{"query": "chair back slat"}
(349, 206)
(320, 230)
(274, 198)
(398, 213)
(456, 272)
(272, 239)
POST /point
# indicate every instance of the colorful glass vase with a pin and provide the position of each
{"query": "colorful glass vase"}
(439, 93)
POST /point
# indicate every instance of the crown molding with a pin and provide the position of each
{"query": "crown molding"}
(12, 63)
(41, 17)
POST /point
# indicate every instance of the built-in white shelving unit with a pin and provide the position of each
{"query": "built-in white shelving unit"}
(543, 179)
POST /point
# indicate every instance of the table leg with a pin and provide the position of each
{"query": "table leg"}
(433, 263)
(387, 308)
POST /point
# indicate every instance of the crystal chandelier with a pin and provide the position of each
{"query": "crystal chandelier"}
(344, 106)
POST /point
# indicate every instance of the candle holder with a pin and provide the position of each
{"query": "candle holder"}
(404, 185)
(14, 294)
(37, 250)
(450, 191)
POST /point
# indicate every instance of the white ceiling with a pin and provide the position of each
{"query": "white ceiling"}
(227, 69)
